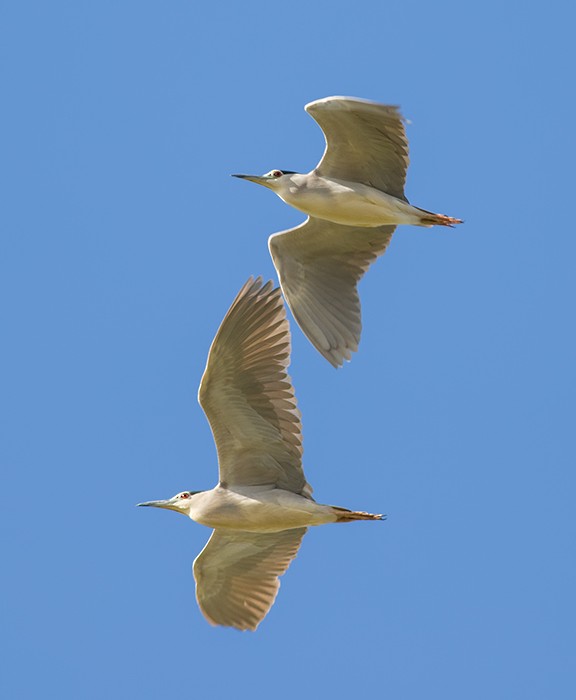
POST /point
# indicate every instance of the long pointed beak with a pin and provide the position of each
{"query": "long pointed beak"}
(258, 179)
(159, 504)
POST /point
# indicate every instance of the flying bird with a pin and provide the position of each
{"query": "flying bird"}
(262, 505)
(354, 199)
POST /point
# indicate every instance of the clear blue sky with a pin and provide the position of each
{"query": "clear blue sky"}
(123, 241)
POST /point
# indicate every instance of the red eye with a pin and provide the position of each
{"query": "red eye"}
(184, 495)
(277, 173)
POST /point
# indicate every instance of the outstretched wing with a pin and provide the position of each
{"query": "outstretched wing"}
(237, 574)
(248, 396)
(319, 264)
(365, 142)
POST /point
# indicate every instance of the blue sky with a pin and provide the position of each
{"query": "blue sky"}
(123, 241)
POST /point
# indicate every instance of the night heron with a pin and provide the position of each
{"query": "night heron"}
(262, 505)
(354, 199)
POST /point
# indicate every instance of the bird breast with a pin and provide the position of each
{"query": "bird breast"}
(344, 202)
(257, 508)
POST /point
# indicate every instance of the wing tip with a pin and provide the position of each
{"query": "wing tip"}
(254, 285)
(254, 290)
(337, 356)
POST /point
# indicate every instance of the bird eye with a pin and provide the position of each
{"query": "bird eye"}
(184, 495)
(277, 173)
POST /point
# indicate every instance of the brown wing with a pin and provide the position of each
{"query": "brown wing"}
(319, 264)
(237, 574)
(365, 142)
(248, 396)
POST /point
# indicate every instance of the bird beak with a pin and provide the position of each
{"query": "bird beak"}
(168, 504)
(258, 179)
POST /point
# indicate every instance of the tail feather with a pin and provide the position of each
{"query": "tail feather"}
(343, 515)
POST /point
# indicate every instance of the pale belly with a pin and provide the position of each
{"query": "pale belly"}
(258, 510)
(352, 204)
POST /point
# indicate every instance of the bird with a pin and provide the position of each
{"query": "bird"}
(262, 505)
(354, 199)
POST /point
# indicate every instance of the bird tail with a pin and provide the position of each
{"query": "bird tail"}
(428, 218)
(343, 515)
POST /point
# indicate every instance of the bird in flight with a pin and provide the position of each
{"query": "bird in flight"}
(262, 505)
(354, 199)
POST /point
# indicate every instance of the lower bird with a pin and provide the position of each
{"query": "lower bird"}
(262, 505)
(354, 199)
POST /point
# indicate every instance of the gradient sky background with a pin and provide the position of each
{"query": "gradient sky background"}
(124, 240)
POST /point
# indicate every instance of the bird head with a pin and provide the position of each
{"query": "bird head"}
(272, 180)
(180, 502)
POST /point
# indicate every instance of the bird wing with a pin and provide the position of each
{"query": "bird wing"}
(365, 142)
(237, 574)
(248, 396)
(319, 264)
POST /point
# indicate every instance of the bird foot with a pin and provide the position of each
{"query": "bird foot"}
(441, 220)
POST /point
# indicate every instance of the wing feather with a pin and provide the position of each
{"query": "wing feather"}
(237, 574)
(319, 264)
(248, 396)
(365, 142)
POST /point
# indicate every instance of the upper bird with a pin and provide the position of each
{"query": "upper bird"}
(262, 505)
(354, 199)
